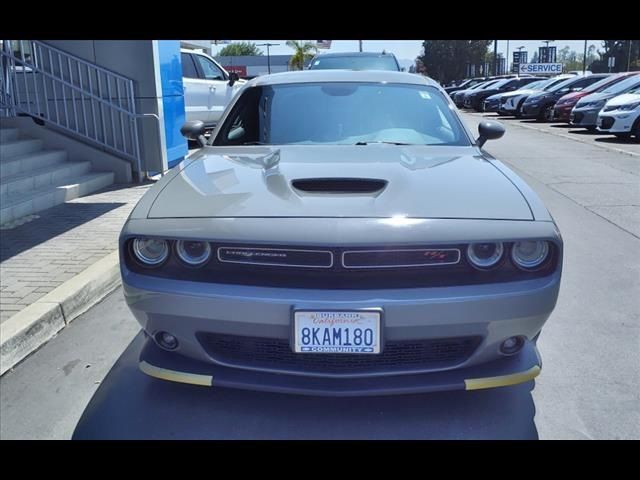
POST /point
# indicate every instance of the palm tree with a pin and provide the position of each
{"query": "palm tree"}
(304, 52)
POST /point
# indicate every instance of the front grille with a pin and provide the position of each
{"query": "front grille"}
(607, 123)
(277, 354)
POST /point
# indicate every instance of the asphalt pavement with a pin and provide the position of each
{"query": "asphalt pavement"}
(590, 381)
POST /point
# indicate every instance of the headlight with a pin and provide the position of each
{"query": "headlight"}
(150, 251)
(599, 104)
(193, 253)
(629, 106)
(529, 254)
(484, 255)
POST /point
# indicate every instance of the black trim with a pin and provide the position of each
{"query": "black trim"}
(338, 277)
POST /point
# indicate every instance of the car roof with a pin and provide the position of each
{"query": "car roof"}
(354, 54)
(312, 76)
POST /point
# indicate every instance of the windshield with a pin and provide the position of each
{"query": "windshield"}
(501, 83)
(553, 82)
(381, 62)
(487, 84)
(624, 85)
(534, 85)
(561, 85)
(344, 113)
(606, 81)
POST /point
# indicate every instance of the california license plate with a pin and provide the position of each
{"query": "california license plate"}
(355, 331)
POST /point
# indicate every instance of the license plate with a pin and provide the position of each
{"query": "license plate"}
(355, 331)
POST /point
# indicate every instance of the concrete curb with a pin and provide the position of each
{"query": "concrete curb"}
(36, 324)
(559, 134)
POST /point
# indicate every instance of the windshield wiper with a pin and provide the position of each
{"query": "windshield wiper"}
(388, 143)
(254, 143)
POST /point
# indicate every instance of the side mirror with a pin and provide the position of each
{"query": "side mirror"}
(489, 130)
(233, 78)
(194, 130)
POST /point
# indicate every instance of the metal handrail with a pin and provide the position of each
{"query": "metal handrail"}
(85, 100)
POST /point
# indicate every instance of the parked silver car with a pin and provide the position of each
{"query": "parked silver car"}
(342, 233)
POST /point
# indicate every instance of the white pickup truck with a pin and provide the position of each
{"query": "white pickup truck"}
(208, 88)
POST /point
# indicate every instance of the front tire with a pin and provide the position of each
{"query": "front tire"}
(519, 108)
(545, 113)
(635, 130)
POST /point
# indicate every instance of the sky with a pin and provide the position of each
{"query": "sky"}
(408, 50)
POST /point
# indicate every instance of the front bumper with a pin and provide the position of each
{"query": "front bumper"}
(506, 371)
(584, 117)
(491, 105)
(562, 113)
(531, 109)
(492, 312)
(617, 122)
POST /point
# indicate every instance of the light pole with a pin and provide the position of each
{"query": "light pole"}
(584, 59)
(519, 57)
(629, 56)
(495, 57)
(360, 44)
(506, 61)
(268, 55)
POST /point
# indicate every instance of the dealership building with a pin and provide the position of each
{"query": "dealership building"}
(249, 66)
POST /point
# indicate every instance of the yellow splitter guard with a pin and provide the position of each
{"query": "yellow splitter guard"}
(337, 331)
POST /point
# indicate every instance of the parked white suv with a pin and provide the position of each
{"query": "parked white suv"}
(208, 87)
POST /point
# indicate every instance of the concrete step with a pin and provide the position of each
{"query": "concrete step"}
(14, 148)
(31, 162)
(8, 134)
(33, 180)
(26, 203)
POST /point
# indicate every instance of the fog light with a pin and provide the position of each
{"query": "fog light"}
(512, 345)
(166, 340)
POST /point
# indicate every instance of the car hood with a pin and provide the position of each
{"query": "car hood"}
(594, 97)
(571, 97)
(421, 182)
(624, 99)
(495, 96)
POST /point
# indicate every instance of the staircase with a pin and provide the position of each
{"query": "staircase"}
(33, 178)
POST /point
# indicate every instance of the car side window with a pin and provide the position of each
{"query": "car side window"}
(188, 67)
(242, 125)
(209, 69)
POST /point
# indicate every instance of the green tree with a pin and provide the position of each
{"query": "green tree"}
(446, 60)
(619, 49)
(303, 52)
(240, 48)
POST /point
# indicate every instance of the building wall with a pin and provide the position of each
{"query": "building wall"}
(142, 61)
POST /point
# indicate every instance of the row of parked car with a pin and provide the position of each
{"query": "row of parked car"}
(609, 103)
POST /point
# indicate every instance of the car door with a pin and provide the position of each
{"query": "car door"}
(220, 93)
(197, 103)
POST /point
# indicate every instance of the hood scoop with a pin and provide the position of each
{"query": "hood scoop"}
(339, 185)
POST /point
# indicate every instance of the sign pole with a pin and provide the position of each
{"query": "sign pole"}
(584, 59)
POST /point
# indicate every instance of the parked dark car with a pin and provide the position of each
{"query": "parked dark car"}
(540, 105)
(468, 83)
(355, 61)
(476, 99)
(564, 106)
(458, 97)
(467, 102)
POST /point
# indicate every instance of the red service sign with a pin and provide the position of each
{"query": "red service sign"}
(241, 70)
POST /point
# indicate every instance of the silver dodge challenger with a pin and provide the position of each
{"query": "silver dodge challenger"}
(341, 233)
